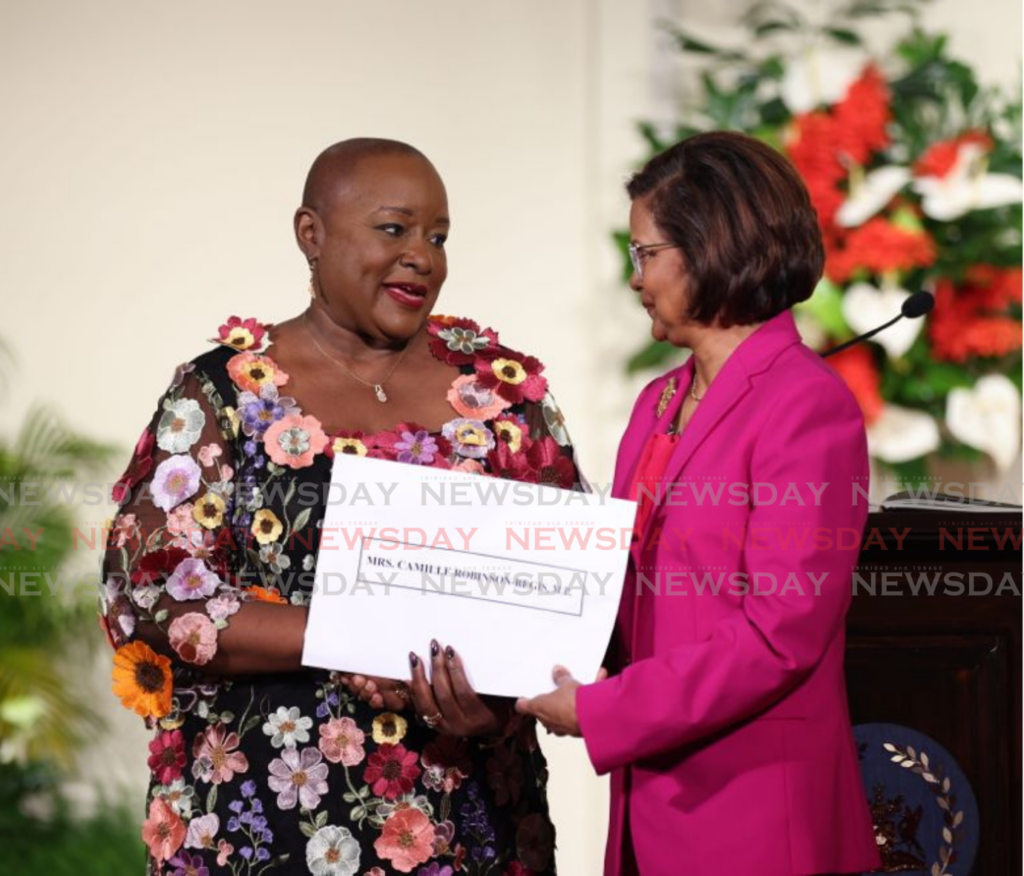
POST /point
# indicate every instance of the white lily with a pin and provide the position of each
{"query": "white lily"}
(819, 75)
(987, 416)
(871, 194)
(967, 187)
(902, 434)
(865, 307)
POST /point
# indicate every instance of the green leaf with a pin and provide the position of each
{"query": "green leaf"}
(357, 813)
(211, 799)
(302, 520)
(767, 27)
(307, 829)
(321, 818)
(826, 306)
(349, 797)
(842, 35)
(651, 356)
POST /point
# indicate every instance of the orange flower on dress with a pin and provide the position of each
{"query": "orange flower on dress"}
(294, 440)
(262, 594)
(473, 400)
(163, 832)
(251, 372)
(407, 840)
(142, 680)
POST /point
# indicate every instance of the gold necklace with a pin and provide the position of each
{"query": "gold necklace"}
(378, 388)
(693, 389)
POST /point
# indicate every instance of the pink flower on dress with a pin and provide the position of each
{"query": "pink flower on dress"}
(407, 840)
(223, 606)
(167, 756)
(471, 466)
(224, 851)
(126, 528)
(163, 832)
(201, 831)
(216, 758)
(208, 454)
(341, 741)
(294, 440)
(193, 638)
(298, 777)
(474, 400)
(180, 520)
(191, 579)
(391, 771)
(175, 480)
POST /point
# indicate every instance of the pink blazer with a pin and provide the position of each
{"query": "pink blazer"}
(726, 728)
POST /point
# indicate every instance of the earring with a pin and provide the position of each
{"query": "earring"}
(312, 278)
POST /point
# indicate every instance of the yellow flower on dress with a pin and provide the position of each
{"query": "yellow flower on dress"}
(509, 432)
(351, 446)
(389, 728)
(209, 511)
(509, 371)
(266, 526)
(142, 680)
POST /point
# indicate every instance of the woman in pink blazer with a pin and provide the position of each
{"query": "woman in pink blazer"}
(724, 722)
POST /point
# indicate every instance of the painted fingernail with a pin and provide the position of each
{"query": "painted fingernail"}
(414, 661)
(449, 652)
(434, 648)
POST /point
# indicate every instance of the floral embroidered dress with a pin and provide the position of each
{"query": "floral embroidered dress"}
(287, 772)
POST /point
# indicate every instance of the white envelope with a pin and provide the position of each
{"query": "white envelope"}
(516, 577)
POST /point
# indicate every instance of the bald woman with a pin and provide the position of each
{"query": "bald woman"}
(257, 763)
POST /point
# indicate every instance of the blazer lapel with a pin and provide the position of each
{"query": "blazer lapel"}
(671, 386)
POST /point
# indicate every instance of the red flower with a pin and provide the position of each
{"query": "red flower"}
(940, 158)
(877, 247)
(813, 146)
(141, 465)
(391, 771)
(970, 320)
(511, 375)
(167, 756)
(157, 564)
(551, 464)
(857, 367)
(862, 116)
(458, 341)
(241, 334)
(504, 463)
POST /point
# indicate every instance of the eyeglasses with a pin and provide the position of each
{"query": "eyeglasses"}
(639, 253)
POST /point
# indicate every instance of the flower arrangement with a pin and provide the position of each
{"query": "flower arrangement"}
(915, 172)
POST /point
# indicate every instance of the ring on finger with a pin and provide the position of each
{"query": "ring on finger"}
(432, 720)
(402, 691)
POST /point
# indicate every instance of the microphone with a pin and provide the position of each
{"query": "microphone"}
(917, 305)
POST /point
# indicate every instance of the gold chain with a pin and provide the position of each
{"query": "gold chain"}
(378, 388)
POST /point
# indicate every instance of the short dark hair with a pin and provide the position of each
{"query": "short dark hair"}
(742, 217)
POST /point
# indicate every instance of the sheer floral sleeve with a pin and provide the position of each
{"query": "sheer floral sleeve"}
(167, 585)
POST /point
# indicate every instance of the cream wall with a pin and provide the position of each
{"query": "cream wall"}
(154, 154)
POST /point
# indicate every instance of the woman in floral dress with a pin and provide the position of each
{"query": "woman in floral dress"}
(257, 763)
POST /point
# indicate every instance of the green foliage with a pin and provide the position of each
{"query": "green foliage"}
(44, 717)
(62, 844)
